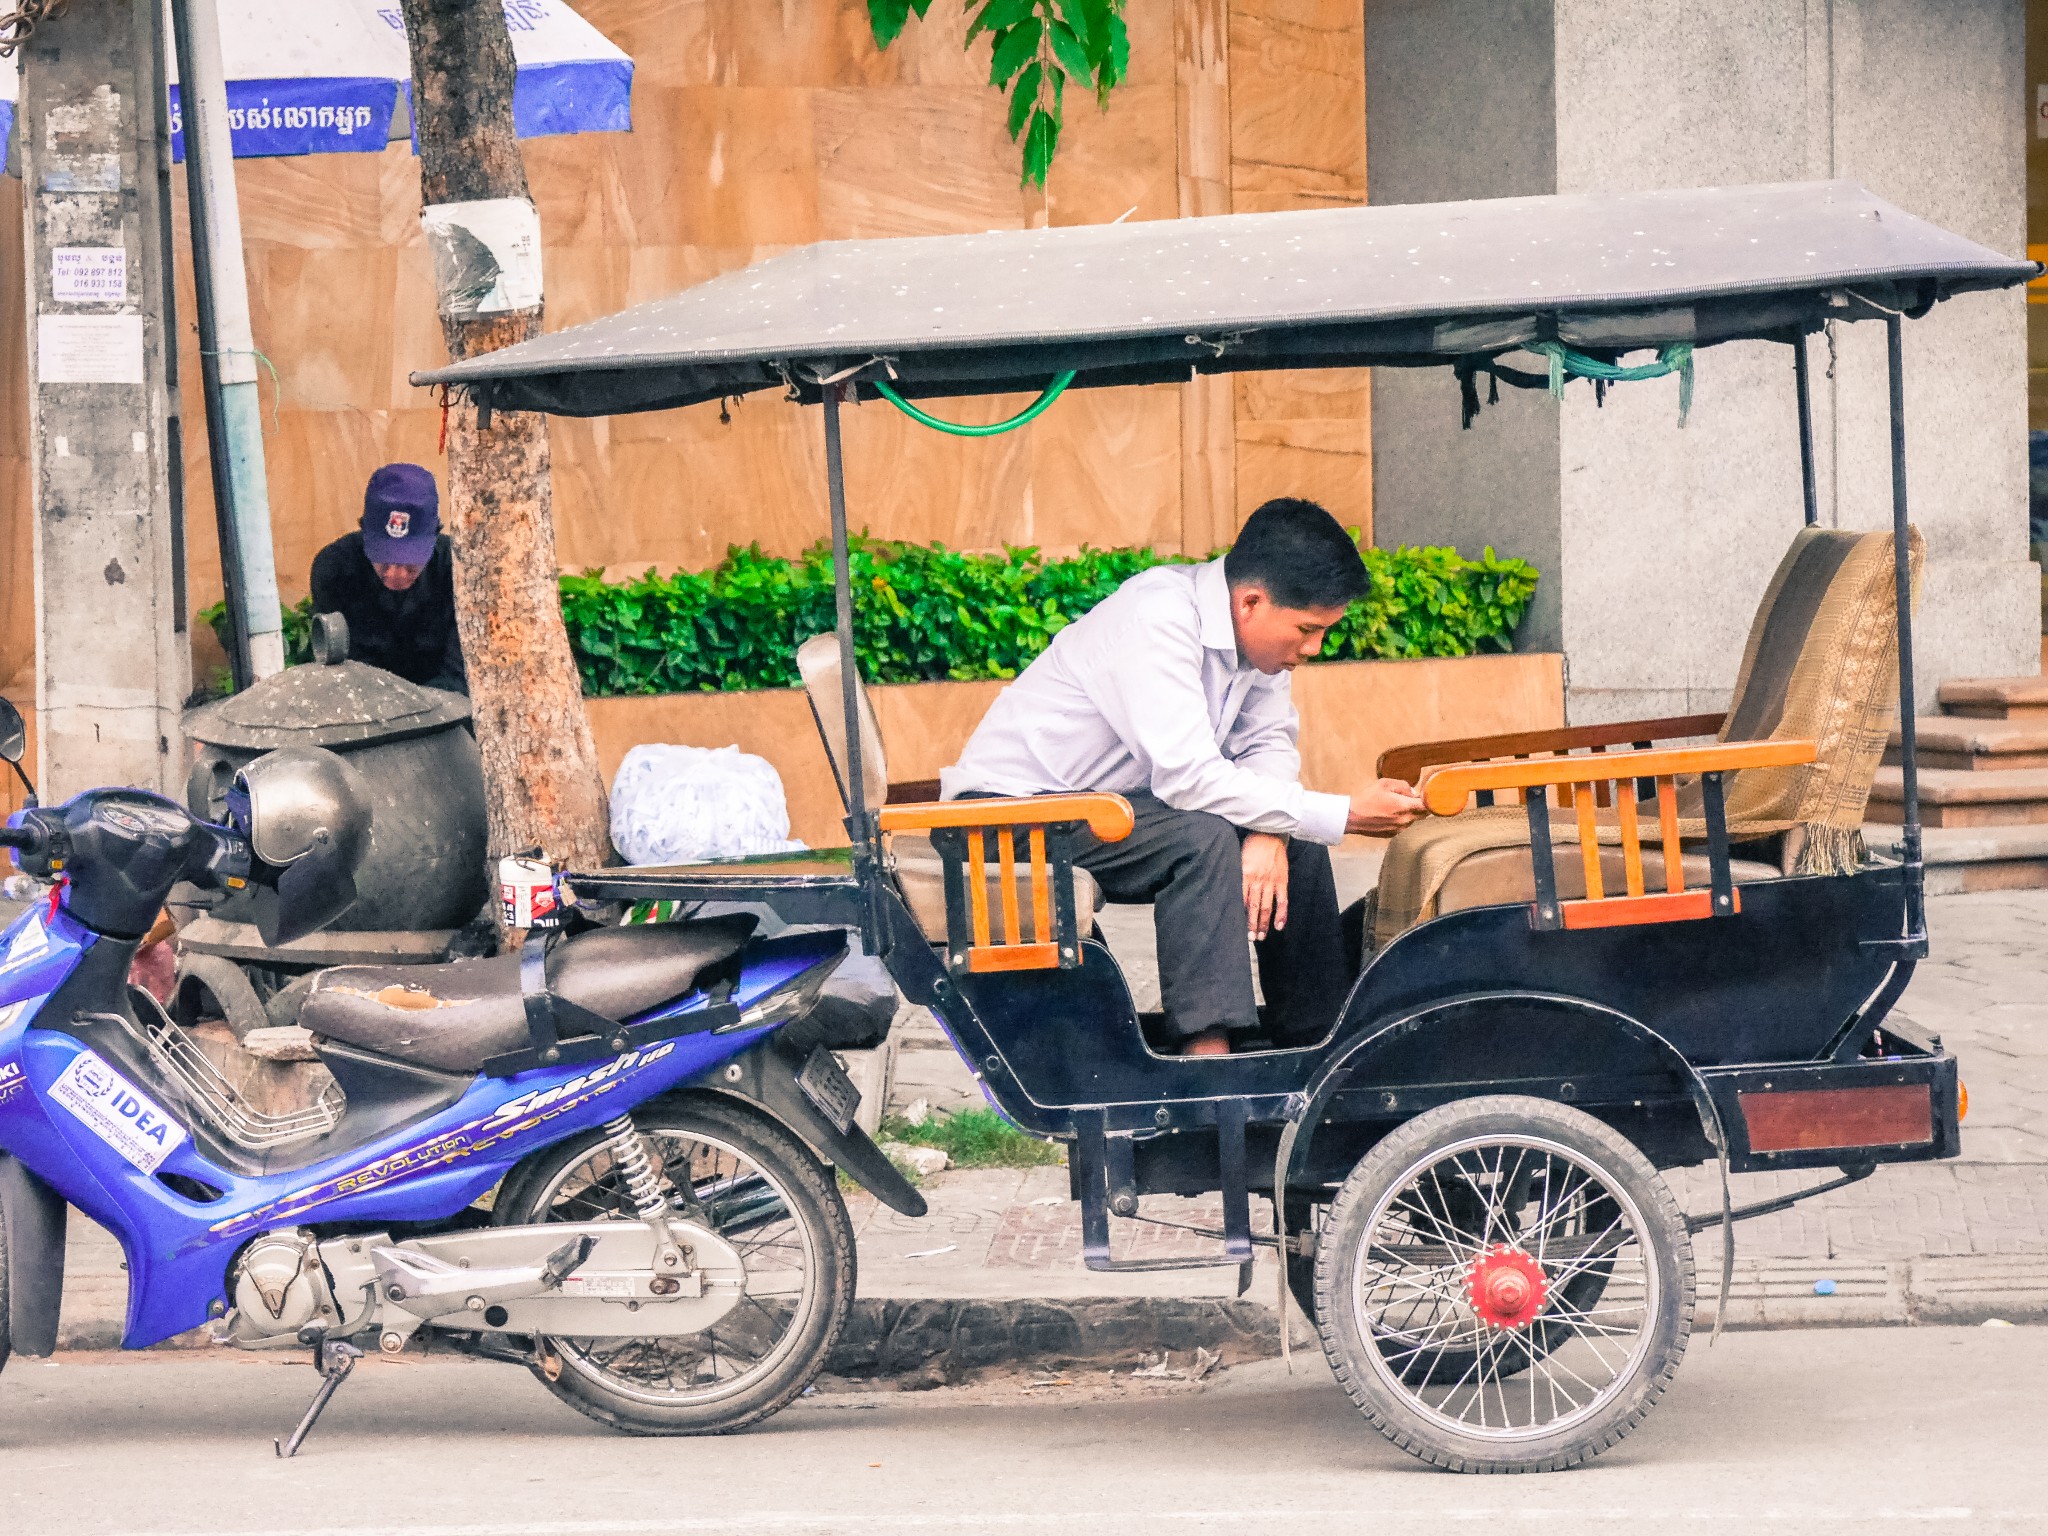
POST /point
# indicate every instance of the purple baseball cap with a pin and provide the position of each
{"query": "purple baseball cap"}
(401, 516)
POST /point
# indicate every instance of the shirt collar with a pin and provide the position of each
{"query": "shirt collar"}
(1212, 610)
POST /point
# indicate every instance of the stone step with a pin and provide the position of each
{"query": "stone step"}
(1953, 741)
(1958, 797)
(1996, 698)
(1961, 859)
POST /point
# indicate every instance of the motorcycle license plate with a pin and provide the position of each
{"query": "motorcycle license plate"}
(826, 1085)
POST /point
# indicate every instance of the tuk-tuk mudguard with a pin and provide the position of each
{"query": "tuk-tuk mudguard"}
(1535, 1044)
(32, 1223)
(766, 1077)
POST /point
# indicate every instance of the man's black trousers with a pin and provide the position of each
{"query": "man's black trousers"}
(1187, 864)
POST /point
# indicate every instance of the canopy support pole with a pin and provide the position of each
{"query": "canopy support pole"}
(227, 348)
(1902, 595)
(859, 825)
(1802, 379)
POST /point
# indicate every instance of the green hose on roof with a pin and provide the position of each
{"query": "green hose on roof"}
(1024, 417)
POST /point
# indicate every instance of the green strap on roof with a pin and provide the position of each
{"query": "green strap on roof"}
(1564, 362)
(1029, 414)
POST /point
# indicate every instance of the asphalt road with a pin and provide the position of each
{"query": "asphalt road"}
(1826, 1431)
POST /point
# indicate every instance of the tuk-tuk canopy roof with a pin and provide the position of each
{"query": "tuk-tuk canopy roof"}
(1343, 287)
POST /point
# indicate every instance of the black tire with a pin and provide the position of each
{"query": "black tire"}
(1594, 1207)
(789, 1204)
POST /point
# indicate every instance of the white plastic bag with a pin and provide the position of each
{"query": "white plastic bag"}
(682, 805)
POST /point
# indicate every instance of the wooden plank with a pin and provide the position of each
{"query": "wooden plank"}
(1667, 822)
(1014, 957)
(1589, 841)
(1631, 838)
(1626, 911)
(1006, 850)
(1041, 888)
(1405, 762)
(1108, 816)
(977, 886)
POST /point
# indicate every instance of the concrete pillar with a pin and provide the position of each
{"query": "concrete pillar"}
(1655, 543)
(113, 666)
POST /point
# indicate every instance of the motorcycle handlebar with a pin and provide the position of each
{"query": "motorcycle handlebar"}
(27, 838)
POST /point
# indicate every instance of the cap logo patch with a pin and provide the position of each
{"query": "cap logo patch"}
(397, 525)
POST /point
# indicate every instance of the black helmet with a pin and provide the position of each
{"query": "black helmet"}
(307, 816)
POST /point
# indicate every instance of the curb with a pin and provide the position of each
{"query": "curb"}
(929, 1341)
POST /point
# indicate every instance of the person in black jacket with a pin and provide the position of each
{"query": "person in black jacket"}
(394, 582)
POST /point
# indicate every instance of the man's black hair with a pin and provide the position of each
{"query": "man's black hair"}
(1300, 554)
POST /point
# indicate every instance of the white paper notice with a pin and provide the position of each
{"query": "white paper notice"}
(486, 255)
(89, 349)
(89, 274)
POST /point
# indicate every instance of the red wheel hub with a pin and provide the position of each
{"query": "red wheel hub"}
(1507, 1288)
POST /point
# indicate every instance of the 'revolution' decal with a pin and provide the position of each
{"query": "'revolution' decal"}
(117, 1111)
(508, 1120)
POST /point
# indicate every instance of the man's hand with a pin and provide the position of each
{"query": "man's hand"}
(1265, 882)
(1384, 809)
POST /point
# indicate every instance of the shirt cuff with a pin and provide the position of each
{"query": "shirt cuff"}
(1323, 817)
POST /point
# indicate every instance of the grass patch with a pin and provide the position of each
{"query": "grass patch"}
(974, 1138)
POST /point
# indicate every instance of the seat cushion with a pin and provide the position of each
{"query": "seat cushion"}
(921, 876)
(1500, 875)
(457, 1016)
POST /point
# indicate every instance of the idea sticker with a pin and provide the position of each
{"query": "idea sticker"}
(117, 1112)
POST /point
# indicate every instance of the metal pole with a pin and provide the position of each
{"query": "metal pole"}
(842, 601)
(858, 824)
(227, 346)
(167, 240)
(1800, 375)
(1902, 595)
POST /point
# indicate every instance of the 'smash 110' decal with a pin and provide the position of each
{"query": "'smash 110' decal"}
(10, 1080)
(117, 1111)
(508, 1120)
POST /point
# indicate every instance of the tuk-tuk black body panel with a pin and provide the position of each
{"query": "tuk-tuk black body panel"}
(1777, 981)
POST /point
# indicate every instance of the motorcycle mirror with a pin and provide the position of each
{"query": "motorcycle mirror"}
(311, 893)
(14, 744)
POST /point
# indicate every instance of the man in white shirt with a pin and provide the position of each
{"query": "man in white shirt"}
(1173, 692)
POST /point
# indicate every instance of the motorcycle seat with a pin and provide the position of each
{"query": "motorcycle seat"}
(456, 1016)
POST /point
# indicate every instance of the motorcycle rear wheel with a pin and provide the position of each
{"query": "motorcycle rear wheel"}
(743, 1175)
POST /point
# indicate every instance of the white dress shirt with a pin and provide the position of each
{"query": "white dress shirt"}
(1146, 691)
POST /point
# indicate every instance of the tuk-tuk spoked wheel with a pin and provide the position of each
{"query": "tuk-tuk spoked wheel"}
(1504, 1285)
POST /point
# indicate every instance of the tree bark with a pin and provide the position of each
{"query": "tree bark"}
(541, 777)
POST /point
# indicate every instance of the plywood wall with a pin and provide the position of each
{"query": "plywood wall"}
(762, 124)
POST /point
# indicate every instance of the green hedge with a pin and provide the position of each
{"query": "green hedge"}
(923, 612)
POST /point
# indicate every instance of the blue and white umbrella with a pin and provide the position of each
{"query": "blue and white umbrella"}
(336, 78)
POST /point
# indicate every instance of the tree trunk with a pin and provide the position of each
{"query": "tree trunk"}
(541, 779)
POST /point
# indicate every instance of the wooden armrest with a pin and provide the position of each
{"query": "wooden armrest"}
(1445, 790)
(1407, 762)
(1108, 816)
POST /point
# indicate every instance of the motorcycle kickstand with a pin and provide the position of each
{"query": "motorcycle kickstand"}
(334, 1362)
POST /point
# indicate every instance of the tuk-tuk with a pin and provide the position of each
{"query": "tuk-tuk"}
(1463, 1172)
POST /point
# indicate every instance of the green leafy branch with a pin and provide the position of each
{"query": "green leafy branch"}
(1035, 47)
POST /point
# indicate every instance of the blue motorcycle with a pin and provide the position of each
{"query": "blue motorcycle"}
(603, 1157)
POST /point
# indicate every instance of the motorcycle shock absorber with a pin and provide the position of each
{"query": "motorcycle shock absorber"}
(643, 1188)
